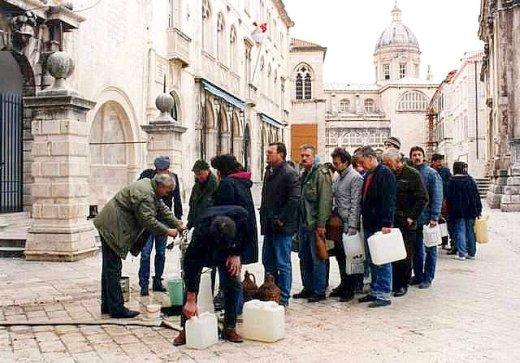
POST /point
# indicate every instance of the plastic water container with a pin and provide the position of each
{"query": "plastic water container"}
(481, 230)
(263, 321)
(444, 229)
(201, 331)
(432, 236)
(176, 291)
(386, 248)
(205, 296)
(354, 247)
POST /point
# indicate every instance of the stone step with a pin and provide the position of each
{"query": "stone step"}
(12, 252)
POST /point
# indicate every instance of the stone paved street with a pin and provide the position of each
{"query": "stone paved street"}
(470, 314)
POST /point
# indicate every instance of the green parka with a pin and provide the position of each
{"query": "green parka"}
(316, 197)
(127, 219)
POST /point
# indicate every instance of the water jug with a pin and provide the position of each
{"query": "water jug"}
(269, 291)
(386, 248)
(354, 247)
(201, 331)
(176, 291)
(249, 286)
(481, 230)
(263, 321)
(432, 235)
(205, 295)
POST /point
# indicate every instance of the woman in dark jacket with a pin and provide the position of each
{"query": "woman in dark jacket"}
(235, 189)
(464, 205)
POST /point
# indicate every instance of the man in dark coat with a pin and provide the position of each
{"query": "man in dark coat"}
(278, 220)
(377, 209)
(219, 240)
(202, 193)
(437, 163)
(464, 205)
(411, 199)
(124, 225)
(162, 165)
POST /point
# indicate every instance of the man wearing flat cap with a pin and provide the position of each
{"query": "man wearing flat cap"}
(162, 166)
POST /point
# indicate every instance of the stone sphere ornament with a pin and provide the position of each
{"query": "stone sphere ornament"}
(164, 102)
(60, 67)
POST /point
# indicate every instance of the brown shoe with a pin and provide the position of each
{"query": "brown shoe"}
(180, 339)
(232, 336)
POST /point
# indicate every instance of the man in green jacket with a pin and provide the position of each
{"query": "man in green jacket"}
(124, 225)
(201, 195)
(315, 208)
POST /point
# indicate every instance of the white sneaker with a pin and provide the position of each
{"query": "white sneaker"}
(460, 258)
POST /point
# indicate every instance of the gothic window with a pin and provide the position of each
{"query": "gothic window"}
(386, 71)
(303, 83)
(221, 43)
(402, 70)
(369, 105)
(233, 61)
(248, 64)
(207, 34)
(333, 138)
(413, 101)
(344, 105)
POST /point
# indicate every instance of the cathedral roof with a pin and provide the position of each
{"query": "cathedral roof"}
(397, 33)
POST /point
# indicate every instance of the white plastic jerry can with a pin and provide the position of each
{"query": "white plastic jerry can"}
(205, 295)
(201, 331)
(386, 248)
(432, 236)
(263, 321)
(354, 247)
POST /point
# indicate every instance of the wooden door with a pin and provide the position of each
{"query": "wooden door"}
(302, 134)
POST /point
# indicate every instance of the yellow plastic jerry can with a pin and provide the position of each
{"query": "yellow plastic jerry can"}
(481, 230)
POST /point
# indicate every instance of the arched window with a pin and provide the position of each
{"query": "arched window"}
(369, 105)
(344, 105)
(221, 36)
(413, 101)
(275, 86)
(262, 74)
(269, 90)
(233, 62)
(303, 83)
(207, 34)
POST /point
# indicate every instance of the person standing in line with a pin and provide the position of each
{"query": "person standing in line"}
(437, 163)
(411, 199)
(278, 220)
(464, 205)
(162, 166)
(346, 191)
(202, 193)
(377, 210)
(314, 211)
(425, 258)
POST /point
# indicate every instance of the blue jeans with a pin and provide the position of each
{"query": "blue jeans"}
(465, 237)
(160, 257)
(425, 259)
(276, 258)
(381, 284)
(314, 270)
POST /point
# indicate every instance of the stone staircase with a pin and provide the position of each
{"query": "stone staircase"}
(13, 234)
(483, 185)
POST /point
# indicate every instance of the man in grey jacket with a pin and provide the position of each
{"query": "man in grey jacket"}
(347, 204)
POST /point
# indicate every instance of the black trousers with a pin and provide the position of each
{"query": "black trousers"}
(402, 270)
(111, 295)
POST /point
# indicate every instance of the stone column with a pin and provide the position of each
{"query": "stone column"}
(164, 135)
(59, 230)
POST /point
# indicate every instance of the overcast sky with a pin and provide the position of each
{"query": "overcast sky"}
(350, 29)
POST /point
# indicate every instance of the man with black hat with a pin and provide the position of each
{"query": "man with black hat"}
(436, 163)
(201, 195)
(162, 166)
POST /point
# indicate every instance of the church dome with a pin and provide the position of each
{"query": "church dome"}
(397, 33)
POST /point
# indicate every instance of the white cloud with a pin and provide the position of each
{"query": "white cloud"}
(349, 29)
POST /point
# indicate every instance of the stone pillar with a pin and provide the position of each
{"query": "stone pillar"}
(59, 230)
(510, 201)
(164, 135)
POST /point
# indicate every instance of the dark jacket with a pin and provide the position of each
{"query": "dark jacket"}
(445, 174)
(201, 198)
(135, 211)
(411, 196)
(175, 194)
(280, 197)
(378, 203)
(205, 250)
(463, 198)
(235, 189)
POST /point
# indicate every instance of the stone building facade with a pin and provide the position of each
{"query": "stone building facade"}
(499, 24)
(353, 115)
(228, 89)
(458, 117)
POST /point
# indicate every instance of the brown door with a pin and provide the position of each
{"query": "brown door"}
(302, 134)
